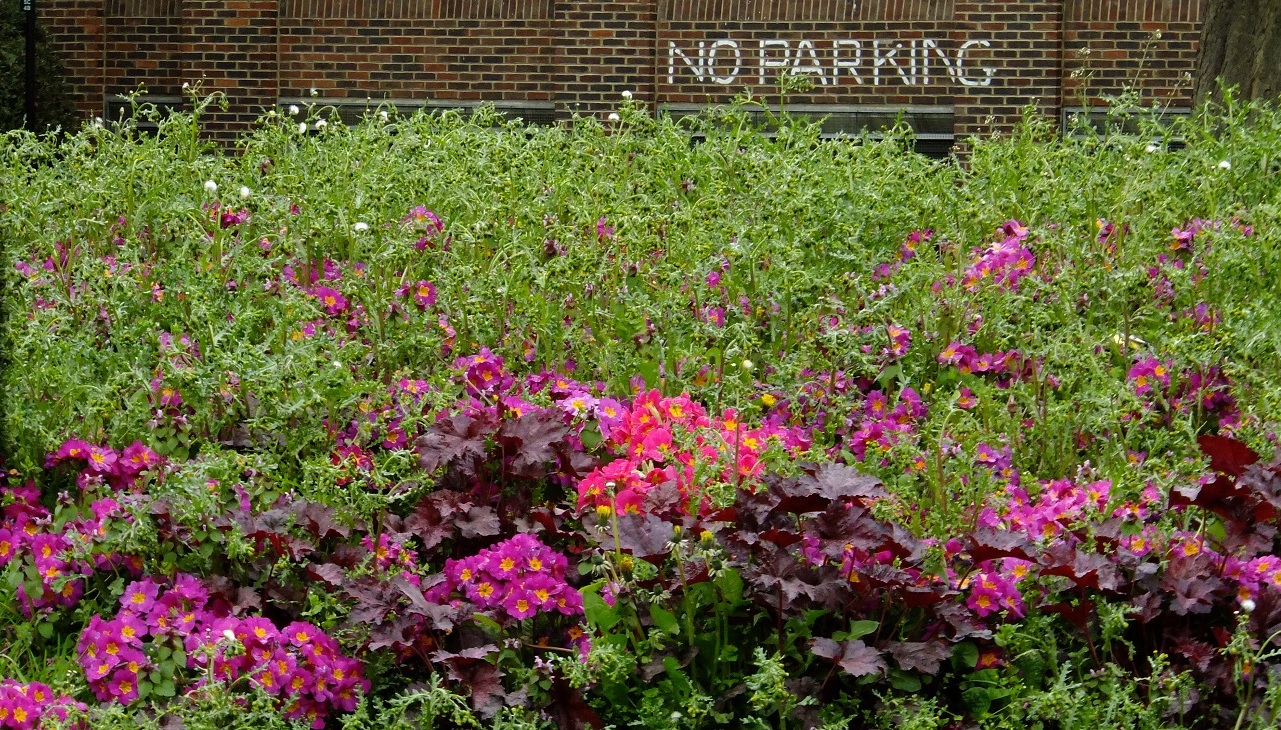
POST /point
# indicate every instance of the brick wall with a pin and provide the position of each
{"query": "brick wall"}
(979, 61)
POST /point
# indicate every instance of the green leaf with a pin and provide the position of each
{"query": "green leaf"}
(965, 655)
(166, 689)
(490, 625)
(905, 681)
(858, 629)
(45, 628)
(598, 613)
(730, 584)
(977, 700)
(664, 619)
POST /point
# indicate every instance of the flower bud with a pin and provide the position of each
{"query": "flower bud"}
(211, 187)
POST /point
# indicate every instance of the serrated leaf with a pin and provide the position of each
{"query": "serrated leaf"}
(664, 619)
(855, 657)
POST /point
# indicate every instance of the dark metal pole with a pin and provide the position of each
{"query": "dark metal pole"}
(29, 7)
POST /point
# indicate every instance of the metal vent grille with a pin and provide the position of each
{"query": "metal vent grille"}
(352, 111)
(933, 126)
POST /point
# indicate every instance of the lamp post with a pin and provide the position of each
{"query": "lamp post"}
(29, 7)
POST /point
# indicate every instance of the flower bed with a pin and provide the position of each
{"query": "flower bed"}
(435, 421)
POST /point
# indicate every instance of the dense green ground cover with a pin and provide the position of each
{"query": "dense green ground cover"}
(773, 430)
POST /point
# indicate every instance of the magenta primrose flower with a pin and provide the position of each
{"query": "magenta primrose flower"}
(331, 300)
(424, 294)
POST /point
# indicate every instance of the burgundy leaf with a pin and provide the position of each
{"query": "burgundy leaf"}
(1227, 455)
(987, 543)
(485, 682)
(531, 441)
(569, 709)
(919, 656)
(456, 441)
(855, 657)
(397, 632)
(464, 657)
(481, 521)
(782, 538)
(327, 573)
(801, 505)
(837, 481)
(644, 536)
(318, 520)
(247, 599)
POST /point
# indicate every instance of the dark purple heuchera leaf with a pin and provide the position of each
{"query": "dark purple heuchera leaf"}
(855, 657)
(1191, 583)
(478, 521)
(432, 520)
(457, 441)
(1265, 620)
(530, 441)
(1245, 492)
(485, 683)
(919, 656)
(664, 499)
(329, 573)
(1227, 455)
(840, 525)
(965, 624)
(987, 543)
(467, 656)
(375, 599)
(319, 520)
(569, 710)
(1198, 653)
(838, 481)
(1086, 570)
(644, 536)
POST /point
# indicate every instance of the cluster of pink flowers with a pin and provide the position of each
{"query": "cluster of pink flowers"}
(483, 373)
(331, 300)
(968, 360)
(993, 591)
(1147, 373)
(1060, 504)
(999, 461)
(662, 438)
(427, 222)
(907, 252)
(1005, 262)
(62, 553)
(1207, 390)
(880, 426)
(299, 664)
(520, 576)
(389, 554)
(25, 706)
(103, 464)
